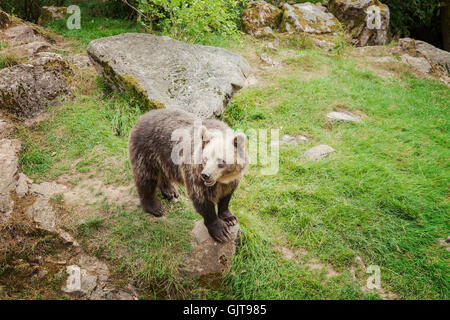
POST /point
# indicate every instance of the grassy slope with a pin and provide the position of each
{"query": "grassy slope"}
(383, 195)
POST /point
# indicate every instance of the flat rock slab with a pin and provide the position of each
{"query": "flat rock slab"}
(21, 34)
(208, 257)
(29, 49)
(319, 152)
(343, 116)
(420, 64)
(162, 72)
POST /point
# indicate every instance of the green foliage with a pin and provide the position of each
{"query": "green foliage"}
(340, 40)
(408, 14)
(189, 20)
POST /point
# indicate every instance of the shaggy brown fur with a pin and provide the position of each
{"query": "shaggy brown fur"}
(207, 184)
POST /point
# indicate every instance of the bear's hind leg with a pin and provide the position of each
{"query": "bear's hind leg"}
(147, 190)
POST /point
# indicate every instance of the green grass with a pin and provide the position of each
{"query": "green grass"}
(383, 195)
(94, 28)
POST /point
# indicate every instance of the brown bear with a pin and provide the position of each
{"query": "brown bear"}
(172, 146)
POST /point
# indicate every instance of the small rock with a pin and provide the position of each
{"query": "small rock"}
(318, 152)
(342, 116)
(287, 139)
(73, 282)
(266, 59)
(385, 60)
(323, 44)
(42, 213)
(418, 63)
(251, 80)
(271, 46)
(263, 32)
(29, 49)
(4, 128)
(47, 189)
(22, 185)
(80, 61)
(207, 256)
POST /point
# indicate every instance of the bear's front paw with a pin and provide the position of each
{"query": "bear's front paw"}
(219, 230)
(154, 207)
(169, 192)
(228, 217)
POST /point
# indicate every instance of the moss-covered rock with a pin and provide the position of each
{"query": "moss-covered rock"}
(258, 16)
(367, 21)
(27, 89)
(307, 17)
(51, 13)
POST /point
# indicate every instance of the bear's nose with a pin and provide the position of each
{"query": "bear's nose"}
(205, 176)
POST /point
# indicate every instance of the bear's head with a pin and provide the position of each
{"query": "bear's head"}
(224, 156)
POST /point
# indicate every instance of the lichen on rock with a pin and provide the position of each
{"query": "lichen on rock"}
(258, 16)
(27, 89)
(162, 72)
(307, 17)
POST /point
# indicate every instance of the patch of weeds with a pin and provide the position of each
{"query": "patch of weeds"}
(298, 41)
(9, 60)
(90, 225)
(341, 42)
(3, 45)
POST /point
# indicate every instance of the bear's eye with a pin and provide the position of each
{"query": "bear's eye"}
(221, 163)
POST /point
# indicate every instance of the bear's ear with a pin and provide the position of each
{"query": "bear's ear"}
(240, 141)
(205, 134)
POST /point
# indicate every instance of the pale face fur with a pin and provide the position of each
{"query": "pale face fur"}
(224, 156)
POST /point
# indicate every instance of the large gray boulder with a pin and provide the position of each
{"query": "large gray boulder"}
(367, 21)
(27, 89)
(162, 72)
